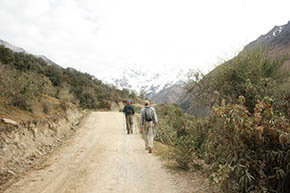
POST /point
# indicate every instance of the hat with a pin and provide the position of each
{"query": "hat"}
(129, 101)
(146, 102)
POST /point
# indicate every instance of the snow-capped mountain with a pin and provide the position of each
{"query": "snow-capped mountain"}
(276, 41)
(149, 83)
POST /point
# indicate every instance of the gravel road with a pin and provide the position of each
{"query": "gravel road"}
(100, 158)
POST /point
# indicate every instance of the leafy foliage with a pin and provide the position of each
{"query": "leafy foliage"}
(246, 140)
(22, 89)
(254, 146)
(185, 132)
(6, 55)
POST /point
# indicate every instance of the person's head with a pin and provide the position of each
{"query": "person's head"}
(128, 101)
(146, 103)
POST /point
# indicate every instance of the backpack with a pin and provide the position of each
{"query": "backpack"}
(149, 114)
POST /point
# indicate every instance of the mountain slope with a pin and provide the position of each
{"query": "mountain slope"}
(10, 46)
(170, 95)
(277, 41)
(17, 49)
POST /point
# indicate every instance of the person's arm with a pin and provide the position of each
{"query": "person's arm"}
(155, 116)
(124, 109)
(141, 118)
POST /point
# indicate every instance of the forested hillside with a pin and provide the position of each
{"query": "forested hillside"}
(24, 79)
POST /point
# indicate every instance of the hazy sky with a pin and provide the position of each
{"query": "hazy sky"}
(103, 36)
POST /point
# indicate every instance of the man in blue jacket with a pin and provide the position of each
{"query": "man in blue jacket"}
(129, 113)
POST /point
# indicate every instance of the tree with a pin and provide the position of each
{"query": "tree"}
(6, 55)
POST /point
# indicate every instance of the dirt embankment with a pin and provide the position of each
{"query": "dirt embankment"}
(22, 143)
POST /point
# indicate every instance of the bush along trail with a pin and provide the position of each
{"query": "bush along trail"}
(244, 144)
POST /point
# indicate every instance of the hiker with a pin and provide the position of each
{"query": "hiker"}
(148, 121)
(129, 112)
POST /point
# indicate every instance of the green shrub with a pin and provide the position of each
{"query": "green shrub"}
(184, 151)
(167, 129)
(246, 152)
(255, 146)
(251, 74)
(6, 55)
(181, 130)
(22, 89)
(27, 89)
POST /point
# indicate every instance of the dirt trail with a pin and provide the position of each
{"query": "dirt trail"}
(101, 158)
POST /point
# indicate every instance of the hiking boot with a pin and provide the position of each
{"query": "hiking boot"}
(150, 150)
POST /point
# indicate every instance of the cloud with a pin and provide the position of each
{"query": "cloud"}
(58, 28)
(101, 37)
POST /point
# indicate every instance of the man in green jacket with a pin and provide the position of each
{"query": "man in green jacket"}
(148, 121)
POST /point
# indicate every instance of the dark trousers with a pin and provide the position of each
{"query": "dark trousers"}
(129, 123)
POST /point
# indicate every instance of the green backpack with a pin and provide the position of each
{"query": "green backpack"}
(149, 114)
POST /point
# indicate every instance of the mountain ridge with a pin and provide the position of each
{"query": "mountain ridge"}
(276, 41)
(18, 49)
(147, 83)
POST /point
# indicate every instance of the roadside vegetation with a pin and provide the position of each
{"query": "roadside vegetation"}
(244, 144)
(26, 79)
